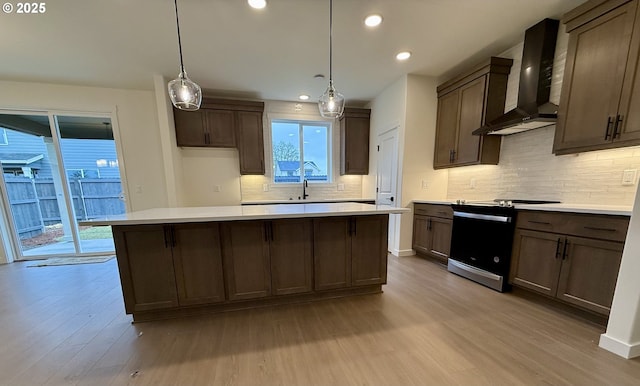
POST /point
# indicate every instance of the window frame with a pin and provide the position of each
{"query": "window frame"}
(328, 125)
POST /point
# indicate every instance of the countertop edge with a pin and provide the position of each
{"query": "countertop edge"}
(568, 208)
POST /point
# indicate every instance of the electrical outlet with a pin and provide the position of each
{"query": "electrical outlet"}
(424, 185)
(217, 188)
(340, 187)
(629, 176)
(472, 183)
(265, 187)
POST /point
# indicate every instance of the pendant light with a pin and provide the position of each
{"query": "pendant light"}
(331, 103)
(185, 94)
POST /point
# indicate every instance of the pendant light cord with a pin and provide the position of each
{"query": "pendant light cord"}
(179, 40)
(330, 41)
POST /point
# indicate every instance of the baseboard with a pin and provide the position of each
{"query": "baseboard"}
(617, 347)
(403, 252)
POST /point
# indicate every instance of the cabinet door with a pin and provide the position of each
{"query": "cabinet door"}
(440, 238)
(250, 142)
(220, 126)
(421, 234)
(592, 85)
(197, 259)
(190, 128)
(332, 252)
(629, 110)
(246, 259)
(536, 260)
(146, 267)
(471, 117)
(291, 256)
(589, 273)
(354, 145)
(446, 128)
(369, 250)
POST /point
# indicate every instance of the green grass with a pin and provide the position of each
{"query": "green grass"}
(96, 232)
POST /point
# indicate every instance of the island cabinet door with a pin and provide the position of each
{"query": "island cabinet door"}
(291, 247)
(369, 250)
(146, 267)
(197, 258)
(332, 252)
(245, 254)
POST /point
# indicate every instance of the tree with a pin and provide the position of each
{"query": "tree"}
(285, 151)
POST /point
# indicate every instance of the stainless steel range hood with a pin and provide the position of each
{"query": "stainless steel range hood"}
(534, 109)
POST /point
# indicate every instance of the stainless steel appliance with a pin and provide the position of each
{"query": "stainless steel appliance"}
(481, 240)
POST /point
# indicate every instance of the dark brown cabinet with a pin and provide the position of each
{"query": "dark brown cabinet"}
(574, 258)
(225, 123)
(169, 266)
(601, 87)
(465, 103)
(208, 128)
(291, 251)
(350, 251)
(246, 259)
(432, 230)
(354, 141)
(250, 142)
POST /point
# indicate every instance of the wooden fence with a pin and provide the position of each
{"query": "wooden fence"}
(34, 203)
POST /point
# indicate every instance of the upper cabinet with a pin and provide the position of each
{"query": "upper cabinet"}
(225, 123)
(600, 101)
(354, 141)
(465, 103)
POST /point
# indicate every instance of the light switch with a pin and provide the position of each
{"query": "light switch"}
(425, 185)
(217, 188)
(265, 187)
(629, 176)
(340, 187)
(472, 183)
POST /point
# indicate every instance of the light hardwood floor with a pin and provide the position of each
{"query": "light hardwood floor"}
(66, 326)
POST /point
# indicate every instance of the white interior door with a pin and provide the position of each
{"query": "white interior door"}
(387, 168)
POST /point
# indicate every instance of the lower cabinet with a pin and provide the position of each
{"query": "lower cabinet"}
(165, 266)
(579, 270)
(432, 230)
(350, 251)
(173, 267)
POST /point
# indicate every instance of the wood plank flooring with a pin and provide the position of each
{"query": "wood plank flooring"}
(66, 326)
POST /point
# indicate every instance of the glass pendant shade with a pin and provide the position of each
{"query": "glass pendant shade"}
(331, 103)
(185, 94)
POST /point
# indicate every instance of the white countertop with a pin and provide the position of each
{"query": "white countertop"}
(307, 201)
(249, 212)
(613, 210)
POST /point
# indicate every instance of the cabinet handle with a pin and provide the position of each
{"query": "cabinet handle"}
(539, 222)
(265, 230)
(450, 155)
(600, 229)
(271, 230)
(429, 225)
(173, 237)
(564, 249)
(618, 125)
(558, 248)
(355, 227)
(607, 132)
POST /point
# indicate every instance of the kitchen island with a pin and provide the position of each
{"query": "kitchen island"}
(184, 261)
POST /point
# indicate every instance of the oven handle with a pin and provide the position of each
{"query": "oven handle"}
(487, 217)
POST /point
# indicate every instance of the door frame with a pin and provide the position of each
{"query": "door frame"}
(10, 245)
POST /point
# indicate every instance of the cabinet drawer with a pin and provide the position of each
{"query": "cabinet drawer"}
(602, 227)
(434, 210)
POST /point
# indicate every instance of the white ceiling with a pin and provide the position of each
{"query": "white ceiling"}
(268, 54)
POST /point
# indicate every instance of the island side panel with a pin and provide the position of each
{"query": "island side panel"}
(369, 250)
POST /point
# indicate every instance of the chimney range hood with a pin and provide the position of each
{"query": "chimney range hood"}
(534, 109)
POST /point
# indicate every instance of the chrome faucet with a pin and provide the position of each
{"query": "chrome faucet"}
(305, 185)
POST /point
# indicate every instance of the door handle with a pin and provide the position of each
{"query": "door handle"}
(391, 198)
(564, 249)
(618, 125)
(607, 132)
(558, 248)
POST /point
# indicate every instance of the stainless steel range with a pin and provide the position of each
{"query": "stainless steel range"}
(481, 240)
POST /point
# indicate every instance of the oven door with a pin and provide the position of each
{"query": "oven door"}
(483, 240)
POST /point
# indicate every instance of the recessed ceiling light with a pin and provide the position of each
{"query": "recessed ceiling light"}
(373, 20)
(404, 55)
(303, 97)
(257, 4)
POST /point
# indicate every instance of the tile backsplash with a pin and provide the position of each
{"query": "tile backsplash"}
(252, 189)
(529, 170)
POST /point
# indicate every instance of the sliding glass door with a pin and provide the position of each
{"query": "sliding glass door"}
(58, 170)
